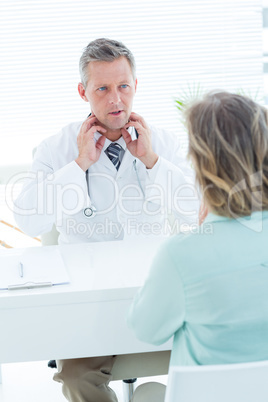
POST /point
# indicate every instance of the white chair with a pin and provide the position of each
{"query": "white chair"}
(243, 382)
(50, 238)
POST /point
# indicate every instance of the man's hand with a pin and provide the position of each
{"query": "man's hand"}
(142, 146)
(89, 151)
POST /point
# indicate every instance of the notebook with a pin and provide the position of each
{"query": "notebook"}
(31, 269)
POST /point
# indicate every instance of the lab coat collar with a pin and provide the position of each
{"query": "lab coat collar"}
(128, 158)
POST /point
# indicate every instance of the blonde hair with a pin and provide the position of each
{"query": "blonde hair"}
(228, 144)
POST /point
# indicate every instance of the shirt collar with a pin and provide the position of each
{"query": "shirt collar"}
(120, 141)
(254, 216)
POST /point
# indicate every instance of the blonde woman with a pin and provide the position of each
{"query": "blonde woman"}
(210, 289)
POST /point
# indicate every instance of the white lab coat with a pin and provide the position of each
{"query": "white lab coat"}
(133, 201)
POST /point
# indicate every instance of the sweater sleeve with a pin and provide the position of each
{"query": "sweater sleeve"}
(158, 309)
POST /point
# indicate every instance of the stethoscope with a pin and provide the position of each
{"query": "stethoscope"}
(91, 211)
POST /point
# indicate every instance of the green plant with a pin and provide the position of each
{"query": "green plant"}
(187, 96)
(195, 91)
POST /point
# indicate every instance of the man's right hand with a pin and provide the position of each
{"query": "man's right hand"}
(89, 151)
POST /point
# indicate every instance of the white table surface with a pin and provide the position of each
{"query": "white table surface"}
(82, 319)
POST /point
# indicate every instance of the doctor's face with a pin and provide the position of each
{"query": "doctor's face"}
(110, 91)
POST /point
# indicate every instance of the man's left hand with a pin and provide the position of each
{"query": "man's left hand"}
(142, 146)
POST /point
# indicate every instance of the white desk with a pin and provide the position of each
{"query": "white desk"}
(85, 318)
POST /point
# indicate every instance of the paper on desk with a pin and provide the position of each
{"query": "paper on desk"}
(46, 266)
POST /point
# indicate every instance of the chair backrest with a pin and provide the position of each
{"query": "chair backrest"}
(243, 382)
(50, 238)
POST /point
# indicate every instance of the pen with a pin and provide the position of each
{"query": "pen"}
(21, 269)
(30, 285)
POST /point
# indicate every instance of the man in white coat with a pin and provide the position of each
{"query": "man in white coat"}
(110, 177)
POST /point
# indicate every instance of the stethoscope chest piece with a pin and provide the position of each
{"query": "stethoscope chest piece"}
(90, 212)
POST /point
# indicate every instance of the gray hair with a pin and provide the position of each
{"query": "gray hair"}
(104, 50)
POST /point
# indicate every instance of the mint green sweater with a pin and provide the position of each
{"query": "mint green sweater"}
(209, 290)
